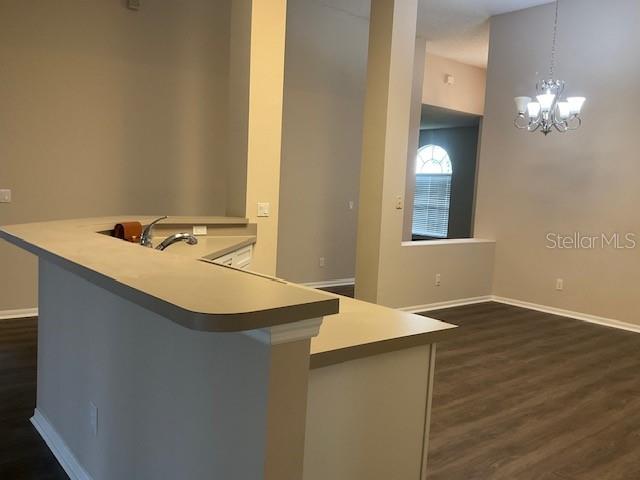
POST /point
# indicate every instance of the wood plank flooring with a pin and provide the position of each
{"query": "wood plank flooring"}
(524, 395)
(345, 290)
(519, 395)
(23, 454)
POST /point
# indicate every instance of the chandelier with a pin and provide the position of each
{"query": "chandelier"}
(550, 110)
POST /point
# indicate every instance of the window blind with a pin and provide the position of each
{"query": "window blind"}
(431, 205)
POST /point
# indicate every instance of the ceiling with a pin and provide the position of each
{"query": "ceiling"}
(456, 29)
(436, 117)
(459, 29)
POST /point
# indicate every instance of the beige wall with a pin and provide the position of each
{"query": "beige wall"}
(585, 181)
(389, 271)
(264, 139)
(106, 111)
(322, 139)
(238, 105)
(466, 95)
(323, 119)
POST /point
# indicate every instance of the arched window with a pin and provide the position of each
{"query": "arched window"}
(434, 160)
(433, 192)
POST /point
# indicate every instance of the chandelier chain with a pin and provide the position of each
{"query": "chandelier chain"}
(553, 47)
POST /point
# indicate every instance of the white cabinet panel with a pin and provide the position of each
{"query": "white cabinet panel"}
(240, 258)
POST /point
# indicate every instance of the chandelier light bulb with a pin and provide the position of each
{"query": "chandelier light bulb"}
(575, 104)
(521, 104)
(546, 101)
(533, 109)
(564, 110)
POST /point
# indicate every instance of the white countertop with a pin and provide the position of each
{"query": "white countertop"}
(195, 294)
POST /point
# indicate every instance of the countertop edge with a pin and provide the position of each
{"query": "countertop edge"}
(354, 352)
(223, 251)
(207, 322)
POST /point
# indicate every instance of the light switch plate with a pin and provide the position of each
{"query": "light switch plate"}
(264, 209)
(5, 196)
(399, 202)
(199, 230)
(93, 418)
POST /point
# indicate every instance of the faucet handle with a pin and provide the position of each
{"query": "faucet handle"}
(147, 233)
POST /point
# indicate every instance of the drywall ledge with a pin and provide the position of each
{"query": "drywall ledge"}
(338, 282)
(448, 241)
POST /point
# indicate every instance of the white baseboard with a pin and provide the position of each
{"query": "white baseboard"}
(59, 448)
(339, 282)
(20, 313)
(585, 317)
(448, 304)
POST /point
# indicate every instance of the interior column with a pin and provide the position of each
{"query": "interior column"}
(392, 36)
(256, 94)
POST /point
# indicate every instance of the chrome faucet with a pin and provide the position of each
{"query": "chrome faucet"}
(175, 238)
(147, 233)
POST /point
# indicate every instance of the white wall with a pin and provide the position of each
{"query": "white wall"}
(107, 111)
(585, 181)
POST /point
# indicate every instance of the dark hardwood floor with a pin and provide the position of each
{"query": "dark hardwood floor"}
(519, 395)
(523, 395)
(345, 290)
(23, 454)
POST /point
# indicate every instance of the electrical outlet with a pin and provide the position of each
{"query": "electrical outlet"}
(264, 209)
(199, 229)
(5, 196)
(321, 261)
(438, 280)
(559, 284)
(93, 418)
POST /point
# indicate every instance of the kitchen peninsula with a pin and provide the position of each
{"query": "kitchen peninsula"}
(166, 364)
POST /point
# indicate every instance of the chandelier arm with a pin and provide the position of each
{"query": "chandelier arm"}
(562, 127)
(534, 123)
(517, 124)
(574, 118)
(534, 126)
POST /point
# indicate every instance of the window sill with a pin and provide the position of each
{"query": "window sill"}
(448, 241)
